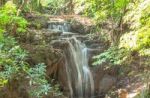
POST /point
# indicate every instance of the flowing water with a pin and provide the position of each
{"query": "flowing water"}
(80, 79)
(65, 27)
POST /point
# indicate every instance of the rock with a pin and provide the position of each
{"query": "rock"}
(39, 36)
(67, 34)
(59, 44)
(62, 78)
(90, 43)
(103, 80)
(42, 54)
(106, 83)
(82, 38)
(16, 88)
(38, 22)
(49, 32)
(78, 27)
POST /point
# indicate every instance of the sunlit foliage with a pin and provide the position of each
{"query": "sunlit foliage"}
(113, 56)
(139, 37)
(104, 9)
(9, 21)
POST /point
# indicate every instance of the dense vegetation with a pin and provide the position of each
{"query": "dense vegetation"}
(128, 32)
(13, 65)
(135, 37)
(135, 16)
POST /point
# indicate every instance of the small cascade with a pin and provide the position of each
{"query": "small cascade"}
(79, 76)
(60, 26)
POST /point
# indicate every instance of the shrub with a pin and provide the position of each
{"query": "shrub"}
(9, 20)
(13, 66)
(113, 56)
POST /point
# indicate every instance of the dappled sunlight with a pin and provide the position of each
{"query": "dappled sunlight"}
(129, 40)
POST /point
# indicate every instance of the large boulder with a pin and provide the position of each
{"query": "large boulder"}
(104, 79)
(106, 83)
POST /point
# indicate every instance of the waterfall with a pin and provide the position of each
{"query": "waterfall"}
(80, 78)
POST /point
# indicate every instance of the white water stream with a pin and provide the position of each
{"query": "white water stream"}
(80, 78)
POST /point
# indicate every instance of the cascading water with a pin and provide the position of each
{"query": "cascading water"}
(80, 79)
(64, 27)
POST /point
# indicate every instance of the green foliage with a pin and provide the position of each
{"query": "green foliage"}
(143, 40)
(13, 63)
(11, 60)
(21, 23)
(97, 9)
(38, 5)
(13, 66)
(113, 56)
(29, 5)
(34, 5)
(144, 94)
(104, 9)
(139, 37)
(9, 18)
(56, 6)
(39, 84)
